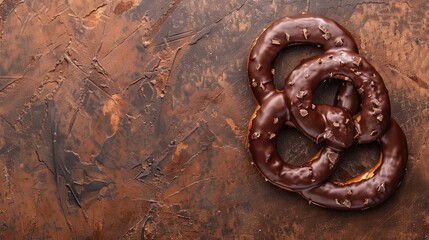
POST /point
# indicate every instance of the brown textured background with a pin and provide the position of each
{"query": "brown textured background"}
(127, 120)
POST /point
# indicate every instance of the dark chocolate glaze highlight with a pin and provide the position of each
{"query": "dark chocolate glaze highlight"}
(348, 98)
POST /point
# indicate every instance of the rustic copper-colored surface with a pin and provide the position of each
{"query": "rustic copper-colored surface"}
(128, 119)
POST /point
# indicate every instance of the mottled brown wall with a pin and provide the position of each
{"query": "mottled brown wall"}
(128, 119)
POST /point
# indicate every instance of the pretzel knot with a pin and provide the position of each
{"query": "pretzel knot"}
(361, 114)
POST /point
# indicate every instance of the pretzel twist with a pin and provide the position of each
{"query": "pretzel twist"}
(339, 126)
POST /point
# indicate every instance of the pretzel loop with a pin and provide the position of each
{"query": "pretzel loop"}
(337, 126)
(287, 31)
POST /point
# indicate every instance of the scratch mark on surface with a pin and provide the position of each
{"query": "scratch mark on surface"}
(413, 78)
(102, 38)
(135, 82)
(124, 40)
(190, 185)
(207, 103)
(176, 37)
(73, 120)
(163, 155)
(53, 133)
(70, 61)
(43, 161)
(200, 34)
(231, 11)
(96, 64)
(95, 10)
(99, 87)
(10, 83)
(147, 219)
(172, 65)
(7, 122)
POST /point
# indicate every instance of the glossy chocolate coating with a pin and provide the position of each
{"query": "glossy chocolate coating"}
(273, 112)
(348, 98)
(374, 116)
(371, 191)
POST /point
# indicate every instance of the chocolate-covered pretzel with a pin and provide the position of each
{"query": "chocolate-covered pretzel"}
(273, 112)
(341, 125)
